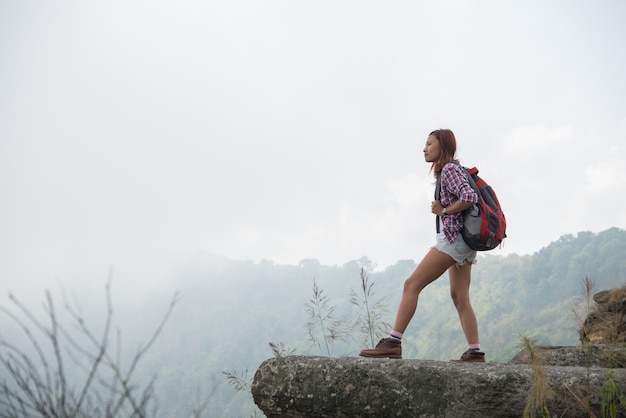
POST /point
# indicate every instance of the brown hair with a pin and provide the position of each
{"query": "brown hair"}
(447, 145)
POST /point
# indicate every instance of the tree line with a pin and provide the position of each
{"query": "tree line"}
(230, 315)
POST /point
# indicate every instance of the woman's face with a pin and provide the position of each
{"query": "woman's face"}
(432, 150)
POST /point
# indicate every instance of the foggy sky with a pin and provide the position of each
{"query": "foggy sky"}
(136, 133)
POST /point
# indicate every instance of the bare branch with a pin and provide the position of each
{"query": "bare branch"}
(39, 383)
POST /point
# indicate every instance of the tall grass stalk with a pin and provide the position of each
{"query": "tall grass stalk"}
(540, 390)
(368, 320)
(321, 316)
(581, 321)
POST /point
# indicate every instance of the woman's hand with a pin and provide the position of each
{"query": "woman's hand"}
(437, 208)
(458, 206)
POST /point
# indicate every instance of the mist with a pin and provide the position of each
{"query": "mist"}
(138, 137)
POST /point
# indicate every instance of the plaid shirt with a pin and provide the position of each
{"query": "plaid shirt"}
(455, 186)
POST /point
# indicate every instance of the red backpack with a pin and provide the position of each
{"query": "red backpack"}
(484, 224)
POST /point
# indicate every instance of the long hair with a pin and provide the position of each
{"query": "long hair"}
(447, 146)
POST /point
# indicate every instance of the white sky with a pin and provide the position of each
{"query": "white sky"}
(132, 132)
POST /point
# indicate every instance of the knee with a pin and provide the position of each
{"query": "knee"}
(460, 301)
(410, 286)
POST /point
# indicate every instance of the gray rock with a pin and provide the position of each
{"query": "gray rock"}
(302, 386)
(588, 355)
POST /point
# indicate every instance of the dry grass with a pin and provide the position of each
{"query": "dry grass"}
(540, 390)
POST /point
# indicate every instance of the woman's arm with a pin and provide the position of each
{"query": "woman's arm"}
(458, 206)
(455, 177)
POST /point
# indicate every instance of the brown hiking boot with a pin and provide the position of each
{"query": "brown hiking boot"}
(386, 348)
(472, 356)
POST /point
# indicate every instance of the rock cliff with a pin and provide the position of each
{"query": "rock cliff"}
(300, 386)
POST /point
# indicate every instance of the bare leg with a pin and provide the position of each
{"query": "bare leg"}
(434, 264)
(460, 278)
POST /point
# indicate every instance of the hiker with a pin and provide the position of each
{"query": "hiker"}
(449, 253)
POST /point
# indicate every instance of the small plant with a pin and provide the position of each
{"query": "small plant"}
(321, 316)
(239, 380)
(613, 401)
(242, 383)
(368, 320)
(281, 350)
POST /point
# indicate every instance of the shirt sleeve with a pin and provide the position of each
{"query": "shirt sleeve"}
(454, 179)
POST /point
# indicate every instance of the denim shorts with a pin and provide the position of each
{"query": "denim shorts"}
(458, 250)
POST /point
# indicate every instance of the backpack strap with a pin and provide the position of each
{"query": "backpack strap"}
(437, 197)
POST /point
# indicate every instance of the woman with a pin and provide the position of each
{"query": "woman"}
(450, 252)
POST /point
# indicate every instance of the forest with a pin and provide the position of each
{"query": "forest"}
(230, 315)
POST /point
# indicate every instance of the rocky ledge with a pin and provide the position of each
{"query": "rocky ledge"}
(303, 386)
